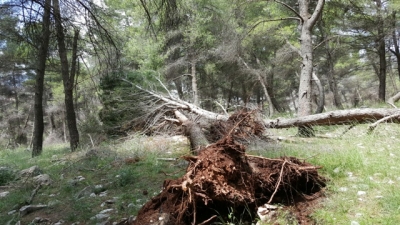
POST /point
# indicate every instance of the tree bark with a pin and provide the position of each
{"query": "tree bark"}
(339, 117)
(306, 52)
(194, 84)
(193, 131)
(321, 94)
(381, 47)
(67, 76)
(37, 142)
(396, 47)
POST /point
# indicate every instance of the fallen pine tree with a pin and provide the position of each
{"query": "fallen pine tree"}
(338, 117)
(223, 181)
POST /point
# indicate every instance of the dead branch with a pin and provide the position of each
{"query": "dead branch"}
(384, 119)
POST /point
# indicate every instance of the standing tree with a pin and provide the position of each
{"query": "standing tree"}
(40, 71)
(68, 75)
(307, 22)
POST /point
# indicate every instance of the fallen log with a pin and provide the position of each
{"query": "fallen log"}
(339, 117)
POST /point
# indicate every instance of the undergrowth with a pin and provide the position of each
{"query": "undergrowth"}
(362, 169)
(127, 173)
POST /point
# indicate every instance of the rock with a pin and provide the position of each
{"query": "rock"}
(30, 208)
(59, 222)
(30, 172)
(106, 211)
(101, 216)
(43, 179)
(359, 193)
(102, 194)
(266, 212)
(40, 220)
(4, 194)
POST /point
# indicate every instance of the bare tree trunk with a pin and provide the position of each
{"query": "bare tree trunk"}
(321, 94)
(306, 51)
(37, 141)
(194, 84)
(68, 77)
(396, 47)
(338, 117)
(381, 52)
(193, 131)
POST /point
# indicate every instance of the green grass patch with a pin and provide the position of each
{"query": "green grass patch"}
(363, 173)
(128, 174)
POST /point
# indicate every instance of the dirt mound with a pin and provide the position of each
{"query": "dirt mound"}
(223, 182)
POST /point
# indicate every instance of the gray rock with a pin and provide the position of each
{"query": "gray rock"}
(100, 216)
(4, 194)
(30, 172)
(59, 222)
(30, 208)
(106, 211)
(43, 179)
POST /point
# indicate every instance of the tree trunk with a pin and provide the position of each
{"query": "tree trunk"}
(381, 52)
(396, 47)
(321, 94)
(193, 131)
(338, 117)
(194, 84)
(37, 142)
(68, 77)
(306, 52)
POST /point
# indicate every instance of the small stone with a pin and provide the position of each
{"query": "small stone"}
(4, 194)
(106, 211)
(131, 205)
(343, 189)
(354, 223)
(359, 193)
(43, 179)
(59, 222)
(101, 216)
(336, 170)
(12, 212)
(92, 195)
(30, 172)
(102, 194)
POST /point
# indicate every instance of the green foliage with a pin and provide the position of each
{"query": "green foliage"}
(7, 175)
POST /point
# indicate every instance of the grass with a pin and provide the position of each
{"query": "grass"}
(129, 171)
(363, 173)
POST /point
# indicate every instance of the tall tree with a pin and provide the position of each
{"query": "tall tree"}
(68, 75)
(307, 22)
(37, 142)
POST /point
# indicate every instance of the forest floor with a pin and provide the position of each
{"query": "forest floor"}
(116, 179)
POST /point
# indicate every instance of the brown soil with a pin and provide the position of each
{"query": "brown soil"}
(223, 180)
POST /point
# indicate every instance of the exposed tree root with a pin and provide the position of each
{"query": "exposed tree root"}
(223, 177)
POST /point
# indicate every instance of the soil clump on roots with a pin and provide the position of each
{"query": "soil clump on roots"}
(223, 183)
